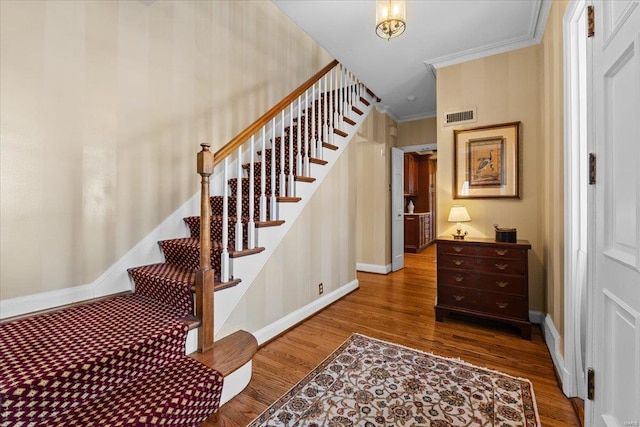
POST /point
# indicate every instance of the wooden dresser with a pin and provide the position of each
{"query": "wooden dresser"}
(484, 278)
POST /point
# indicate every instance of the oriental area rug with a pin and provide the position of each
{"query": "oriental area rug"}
(367, 382)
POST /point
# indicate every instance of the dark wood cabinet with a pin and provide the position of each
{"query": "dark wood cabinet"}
(484, 278)
(410, 175)
(417, 231)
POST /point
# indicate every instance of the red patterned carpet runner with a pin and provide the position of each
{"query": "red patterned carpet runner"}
(370, 383)
(89, 365)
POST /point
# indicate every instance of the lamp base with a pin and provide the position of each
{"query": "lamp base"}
(459, 235)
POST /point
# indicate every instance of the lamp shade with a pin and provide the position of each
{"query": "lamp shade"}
(459, 213)
(391, 18)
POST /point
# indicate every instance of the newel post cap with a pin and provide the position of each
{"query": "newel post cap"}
(205, 160)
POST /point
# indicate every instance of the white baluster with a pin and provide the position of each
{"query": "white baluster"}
(263, 176)
(325, 108)
(307, 142)
(345, 103)
(349, 91)
(312, 122)
(251, 226)
(320, 122)
(238, 244)
(339, 117)
(299, 143)
(336, 99)
(291, 188)
(273, 214)
(224, 257)
(283, 177)
(330, 123)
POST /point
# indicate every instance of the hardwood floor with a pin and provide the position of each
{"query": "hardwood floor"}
(399, 307)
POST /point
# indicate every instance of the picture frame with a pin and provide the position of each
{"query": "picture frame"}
(486, 162)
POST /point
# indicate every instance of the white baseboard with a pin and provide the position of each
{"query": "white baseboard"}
(536, 317)
(273, 330)
(373, 268)
(552, 339)
(115, 279)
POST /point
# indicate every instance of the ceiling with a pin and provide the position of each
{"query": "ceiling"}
(439, 33)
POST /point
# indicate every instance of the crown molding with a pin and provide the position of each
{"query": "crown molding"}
(532, 37)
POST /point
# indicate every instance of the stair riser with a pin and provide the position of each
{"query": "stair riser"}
(217, 206)
(164, 290)
(216, 229)
(257, 170)
(233, 187)
(189, 256)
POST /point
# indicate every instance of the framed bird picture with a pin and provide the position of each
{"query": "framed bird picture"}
(486, 162)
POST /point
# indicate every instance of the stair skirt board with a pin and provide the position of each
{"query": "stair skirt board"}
(276, 328)
(373, 268)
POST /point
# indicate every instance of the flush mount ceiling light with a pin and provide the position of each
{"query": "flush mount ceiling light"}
(391, 18)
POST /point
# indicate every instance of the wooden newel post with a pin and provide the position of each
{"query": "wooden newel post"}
(205, 275)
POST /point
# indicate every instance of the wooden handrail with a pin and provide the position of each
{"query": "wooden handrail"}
(242, 137)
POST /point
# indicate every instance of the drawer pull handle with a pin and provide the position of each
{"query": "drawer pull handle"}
(458, 297)
(457, 249)
(502, 266)
(502, 284)
(501, 252)
(458, 261)
(502, 304)
(458, 278)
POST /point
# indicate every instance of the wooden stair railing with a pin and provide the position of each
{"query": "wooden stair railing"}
(299, 127)
(204, 294)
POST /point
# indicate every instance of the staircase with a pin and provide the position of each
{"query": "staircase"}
(122, 360)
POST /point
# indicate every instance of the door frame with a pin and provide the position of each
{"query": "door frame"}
(574, 193)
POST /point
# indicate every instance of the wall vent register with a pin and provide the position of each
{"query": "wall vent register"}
(458, 117)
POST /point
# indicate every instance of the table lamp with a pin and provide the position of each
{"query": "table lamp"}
(459, 214)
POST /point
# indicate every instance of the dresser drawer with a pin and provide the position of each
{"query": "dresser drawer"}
(482, 265)
(482, 251)
(515, 285)
(503, 305)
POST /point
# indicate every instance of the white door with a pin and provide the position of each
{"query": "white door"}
(614, 262)
(397, 209)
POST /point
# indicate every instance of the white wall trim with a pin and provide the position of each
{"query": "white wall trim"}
(420, 147)
(552, 339)
(115, 279)
(274, 329)
(532, 37)
(536, 317)
(420, 116)
(373, 268)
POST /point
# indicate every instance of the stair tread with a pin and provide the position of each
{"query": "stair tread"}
(229, 353)
(60, 347)
(177, 274)
(184, 392)
(273, 223)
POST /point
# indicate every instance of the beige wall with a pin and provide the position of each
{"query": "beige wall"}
(418, 132)
(102, 107)
(505, 88)
(308, 254)
(524, 85)
(373, 208)
(552, 172)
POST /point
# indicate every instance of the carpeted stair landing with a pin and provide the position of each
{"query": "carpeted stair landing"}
(113, 362)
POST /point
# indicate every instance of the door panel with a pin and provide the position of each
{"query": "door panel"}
(614, 334)
(397, 209)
